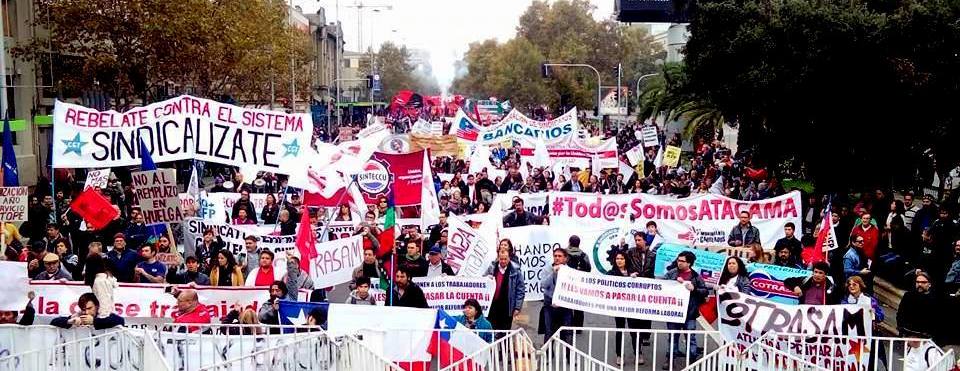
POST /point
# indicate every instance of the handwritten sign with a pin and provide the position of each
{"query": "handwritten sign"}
(13, 204)
(97, 178)
(155, 191)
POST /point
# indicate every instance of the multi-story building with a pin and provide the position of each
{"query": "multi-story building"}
(327, 47)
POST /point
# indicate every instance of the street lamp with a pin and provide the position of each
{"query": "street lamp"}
(638, 85)
(546, 73)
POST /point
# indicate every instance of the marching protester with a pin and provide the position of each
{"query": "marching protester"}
(508, 293)
(9, 317)
(226, 272)
(817, 289)
(789, 240)
(472, 318)
(783, 256)
(920, 309)
(734, 275)
(406, 293)
(88, 306)
(684, 273)
(99, 276)
(553, 317)
(189, 310)
(295, 278)
(744, 233)
(436, 267)
(264, 274)
(192, 274)
(149, 270)
(361, 294)
(623, 268)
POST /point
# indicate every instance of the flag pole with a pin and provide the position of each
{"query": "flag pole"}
(283, 201)
(346, 190)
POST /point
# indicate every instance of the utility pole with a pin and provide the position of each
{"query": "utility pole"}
(336, 101)
(3, 65)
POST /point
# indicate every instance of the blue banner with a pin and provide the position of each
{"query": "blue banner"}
(766, 280)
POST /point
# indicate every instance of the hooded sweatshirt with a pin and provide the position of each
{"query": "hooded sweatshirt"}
(578, 259)
(355, 298)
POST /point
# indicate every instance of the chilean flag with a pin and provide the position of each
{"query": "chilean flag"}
(452, 341)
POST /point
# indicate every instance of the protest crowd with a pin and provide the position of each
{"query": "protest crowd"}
(256, 231)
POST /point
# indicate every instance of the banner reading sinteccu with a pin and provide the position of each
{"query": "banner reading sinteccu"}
(180, 128)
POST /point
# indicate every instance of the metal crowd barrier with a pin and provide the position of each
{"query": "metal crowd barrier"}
(599, 343)
(512, 351)
(315, 352)
(111, 350)
(947, 362)
(888, 352)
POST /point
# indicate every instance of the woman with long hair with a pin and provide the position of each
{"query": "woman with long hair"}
(734, 275)
(270, 210)
(506, 244)
(226, 272)
(343, 214)
(757, 255)
(99, 276)
(623, 268)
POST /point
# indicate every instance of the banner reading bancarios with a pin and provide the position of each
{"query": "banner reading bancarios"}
(744, 319)
(516, 126)
(631, 297)
(180, 128)
(701, 220)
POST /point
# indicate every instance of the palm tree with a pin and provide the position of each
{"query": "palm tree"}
(664, 97)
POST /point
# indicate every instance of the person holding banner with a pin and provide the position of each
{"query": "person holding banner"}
(370, 269)
(207, 250)
(734, 275)
(243, 218)
(623, 268)
(684, 273)
(268, 313)
(816, 289)
(192, 274)
(552, 317)
(29, 313)
(189, 309)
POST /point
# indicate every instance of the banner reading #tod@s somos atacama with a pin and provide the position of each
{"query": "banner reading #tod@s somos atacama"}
(631, 297)
(836, 334)
(180, 128)
(700, 220)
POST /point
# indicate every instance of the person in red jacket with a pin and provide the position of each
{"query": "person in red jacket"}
(870, 234)
(189, 309)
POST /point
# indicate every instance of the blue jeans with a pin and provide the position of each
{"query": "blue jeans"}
(675, 339)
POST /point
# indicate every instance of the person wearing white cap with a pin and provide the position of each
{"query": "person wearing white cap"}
(52, 269)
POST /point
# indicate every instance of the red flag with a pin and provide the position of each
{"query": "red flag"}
(96, 210)
(826, 237)
(306, 240)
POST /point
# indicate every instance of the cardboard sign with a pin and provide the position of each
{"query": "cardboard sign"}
(97, 178)
(13, 204)
(650, 137)
(157, 194)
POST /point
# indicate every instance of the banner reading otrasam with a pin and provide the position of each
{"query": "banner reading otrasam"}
(156, 193)
(700, 220)
(181, 128)
(744, 319)
(13, 204)
(640, 298)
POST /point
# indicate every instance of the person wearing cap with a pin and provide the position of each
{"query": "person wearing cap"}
(295, 278)
(919, 313)
(53, 270)
(519, 216)
(124, 259)
(472, 318)
(435, 265)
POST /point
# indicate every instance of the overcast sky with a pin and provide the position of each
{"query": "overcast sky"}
(444, 28)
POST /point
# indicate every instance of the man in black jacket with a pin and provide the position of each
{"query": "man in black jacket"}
(789, 241)
(519, 216)
(919, 309)
(87, 316)
(406, 293)
(244, 203)
(817, 289)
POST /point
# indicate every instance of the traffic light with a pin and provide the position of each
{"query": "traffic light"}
(369, 81)
(545, 70)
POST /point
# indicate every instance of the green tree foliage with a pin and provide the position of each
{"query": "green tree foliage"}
(562, 31)
(397, 73)
(134, 48)
(847, 93)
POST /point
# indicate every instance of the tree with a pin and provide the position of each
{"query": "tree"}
(562, 31)
(397, 73)
(849, 94)
(135, 49)
(663, 96)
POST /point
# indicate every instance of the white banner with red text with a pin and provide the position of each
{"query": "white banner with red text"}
(630, 297)
(580, 153)
(335, 261)
(700, 220)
